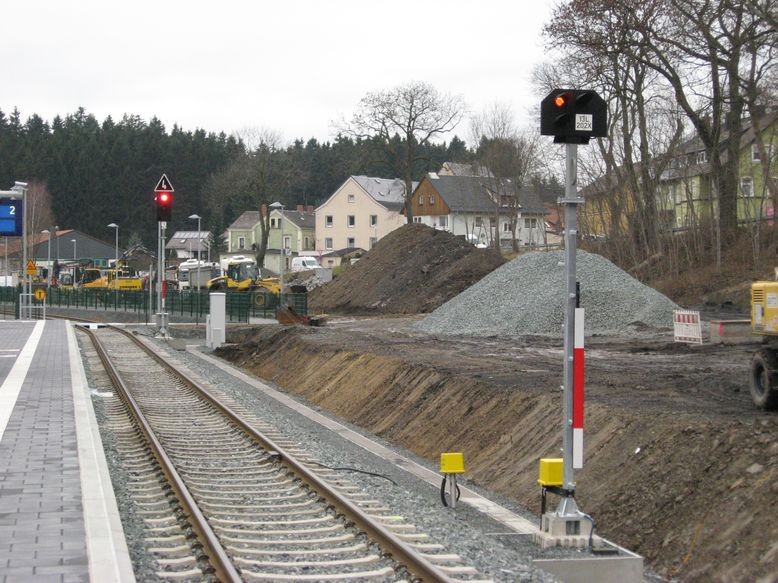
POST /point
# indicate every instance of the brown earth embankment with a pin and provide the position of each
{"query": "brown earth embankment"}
(694, 494)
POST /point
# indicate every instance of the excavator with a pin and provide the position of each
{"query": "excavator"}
(764, 364)
(242, 274)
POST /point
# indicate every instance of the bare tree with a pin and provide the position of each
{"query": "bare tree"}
(510, 157)
(402, 120)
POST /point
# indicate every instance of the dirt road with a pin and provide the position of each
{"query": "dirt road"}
(679, 466)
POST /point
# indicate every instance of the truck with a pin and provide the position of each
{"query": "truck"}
(241, 274)
(764, 364)
(187, 273)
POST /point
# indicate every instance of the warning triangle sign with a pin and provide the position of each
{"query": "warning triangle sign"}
(164, 185)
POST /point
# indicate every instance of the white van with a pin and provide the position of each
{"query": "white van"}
(304, 263)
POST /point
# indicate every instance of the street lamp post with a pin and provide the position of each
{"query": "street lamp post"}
(74, 248)
(115, 281)
(116, 245)
(199, 255)
(279, 206)
(48, 263)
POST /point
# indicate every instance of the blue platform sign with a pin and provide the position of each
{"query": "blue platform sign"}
(11, 212)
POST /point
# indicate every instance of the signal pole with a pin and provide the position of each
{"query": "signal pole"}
(164, 203)
(572, 117)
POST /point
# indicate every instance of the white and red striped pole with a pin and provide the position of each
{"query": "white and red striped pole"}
(578, 389)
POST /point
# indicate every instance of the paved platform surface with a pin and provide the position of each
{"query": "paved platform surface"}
(58, 517)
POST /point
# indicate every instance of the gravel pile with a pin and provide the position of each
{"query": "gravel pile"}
(526, 297)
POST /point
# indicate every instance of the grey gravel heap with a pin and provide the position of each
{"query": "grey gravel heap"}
(525, 297)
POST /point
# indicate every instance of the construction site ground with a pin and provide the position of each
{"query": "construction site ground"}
(679, 465)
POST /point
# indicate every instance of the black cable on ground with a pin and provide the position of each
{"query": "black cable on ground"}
(443, 491)
(348, 469)
(591, 532)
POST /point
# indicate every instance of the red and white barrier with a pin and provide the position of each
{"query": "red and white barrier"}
(687, 326)
(578, 389)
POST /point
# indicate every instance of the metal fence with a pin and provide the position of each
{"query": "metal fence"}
(185, 304)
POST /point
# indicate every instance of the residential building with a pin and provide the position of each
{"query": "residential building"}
(359, 213)
(185, 245)
(482, 209)
(341, 257)
(687, 190)
(244, 234)
(67, 245)
(299, 232)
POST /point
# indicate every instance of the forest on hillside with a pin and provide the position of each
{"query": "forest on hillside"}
(85, 173)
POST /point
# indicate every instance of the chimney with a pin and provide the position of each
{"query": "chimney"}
(300, 208)
(311, 208)
(263, 210)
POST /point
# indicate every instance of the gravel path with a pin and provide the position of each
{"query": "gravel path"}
(526, 296)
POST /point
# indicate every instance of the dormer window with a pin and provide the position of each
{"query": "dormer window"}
(702, 157)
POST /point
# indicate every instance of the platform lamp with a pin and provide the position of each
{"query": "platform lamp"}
(74, 248)
(116, 245)
(199, 257)
(48, 263)
(282, 265)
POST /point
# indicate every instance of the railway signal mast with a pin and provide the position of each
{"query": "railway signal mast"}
(163, 200)
(572, 116)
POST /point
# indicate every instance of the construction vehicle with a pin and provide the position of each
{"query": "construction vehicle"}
(241, 274)
(764, 364)
(117, 279)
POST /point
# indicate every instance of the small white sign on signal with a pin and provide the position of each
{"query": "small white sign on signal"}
(687, 326)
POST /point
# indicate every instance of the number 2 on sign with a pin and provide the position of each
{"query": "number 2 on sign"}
(12, 210)
(583, 122)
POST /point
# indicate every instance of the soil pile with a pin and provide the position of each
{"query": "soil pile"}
(412, 270)
(527, 297)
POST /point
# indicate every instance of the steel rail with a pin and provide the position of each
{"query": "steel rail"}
(401, 552)
(218, 558)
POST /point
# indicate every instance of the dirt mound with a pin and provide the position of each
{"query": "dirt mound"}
(412, 270)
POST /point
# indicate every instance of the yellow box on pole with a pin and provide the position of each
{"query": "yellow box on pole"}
(551, 472)
(452, 463)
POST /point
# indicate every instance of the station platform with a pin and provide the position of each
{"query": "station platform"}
(58, 515)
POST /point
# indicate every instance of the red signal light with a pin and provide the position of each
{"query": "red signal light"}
(164, 197)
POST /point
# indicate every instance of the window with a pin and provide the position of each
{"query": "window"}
(306, 243)
(416, 219)
(275, 223)
(444, 221)
(702, 157)
(756, 156)
(352, 221)
(530, 223)
(328, 243)
(671, 194)
(328, 221)
(432, 199)
(373, 241)
(507, 227)
(287, 242)
(373, 220)
(421, 200)
(478, 221)
(351, 198)
(747, 186)
(241, 242)
(351, 243)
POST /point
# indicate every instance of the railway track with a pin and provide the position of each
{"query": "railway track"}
(224, 494)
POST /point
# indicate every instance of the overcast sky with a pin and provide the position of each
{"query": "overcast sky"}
(287, 65)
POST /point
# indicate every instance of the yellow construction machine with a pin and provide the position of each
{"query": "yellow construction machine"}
(94, 278)
(764, 364)
(242, 274)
